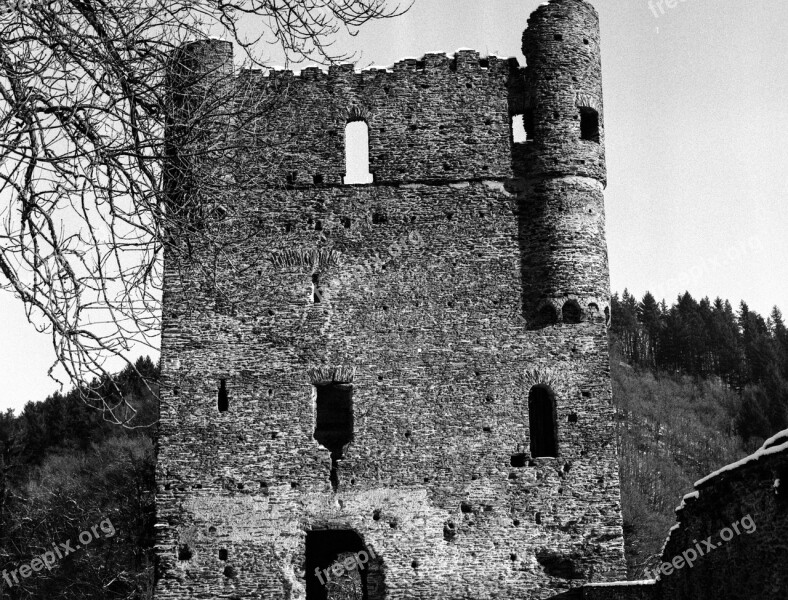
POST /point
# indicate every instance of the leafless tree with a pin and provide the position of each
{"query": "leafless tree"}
(83, 108)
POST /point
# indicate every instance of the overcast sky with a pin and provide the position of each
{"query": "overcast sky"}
(696, 122)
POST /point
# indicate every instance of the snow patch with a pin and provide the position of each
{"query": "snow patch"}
(691, 496)
(764, 451)
(781, 437)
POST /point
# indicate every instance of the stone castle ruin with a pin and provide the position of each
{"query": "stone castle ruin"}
(407, 358)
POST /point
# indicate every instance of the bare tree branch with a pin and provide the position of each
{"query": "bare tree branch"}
(83, 107)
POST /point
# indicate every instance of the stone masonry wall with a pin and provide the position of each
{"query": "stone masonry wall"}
(427, 281)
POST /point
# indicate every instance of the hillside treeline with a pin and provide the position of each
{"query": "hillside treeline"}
(741, 349)
(65, 470)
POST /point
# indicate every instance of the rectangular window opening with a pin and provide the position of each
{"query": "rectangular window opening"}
(589, 125)
(357, 153)
(542, 422)
(224, 399)
(334, 422)
(523, 126)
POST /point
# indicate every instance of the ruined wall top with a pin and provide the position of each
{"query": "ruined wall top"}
(436, 118)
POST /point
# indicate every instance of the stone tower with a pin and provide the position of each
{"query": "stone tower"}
(412, 371)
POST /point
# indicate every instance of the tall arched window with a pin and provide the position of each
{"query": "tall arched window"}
(357, 153)
(542, 422)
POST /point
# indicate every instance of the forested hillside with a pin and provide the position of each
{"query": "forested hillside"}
(64, 470)
(697, 385)
(740, 350)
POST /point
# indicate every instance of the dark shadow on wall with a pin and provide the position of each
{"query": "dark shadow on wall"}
(533, 231)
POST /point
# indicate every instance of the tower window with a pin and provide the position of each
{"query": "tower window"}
(357, 153)
(542, 422)
(334, 422)
(545, 317)
(184, 552)
(523, 126)
(519, 134)
(224, 400)
(572, 313)
(589, 124)
(317, 293)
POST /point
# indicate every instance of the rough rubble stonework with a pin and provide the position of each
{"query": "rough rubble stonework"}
(471, 272)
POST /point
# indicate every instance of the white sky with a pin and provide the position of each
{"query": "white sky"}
(696, 123)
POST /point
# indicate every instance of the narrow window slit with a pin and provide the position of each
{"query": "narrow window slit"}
(317, 293)
(224, 399)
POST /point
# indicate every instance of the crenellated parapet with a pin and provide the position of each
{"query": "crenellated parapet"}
(436, 63)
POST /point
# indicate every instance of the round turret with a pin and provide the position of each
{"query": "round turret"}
(200, 88)
(565, 263)
(196, 70)
(564, 76)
